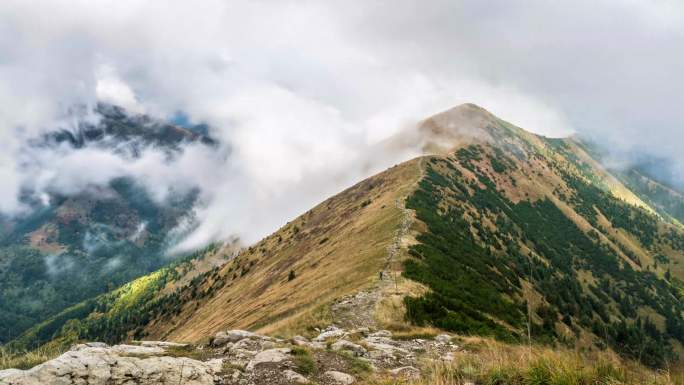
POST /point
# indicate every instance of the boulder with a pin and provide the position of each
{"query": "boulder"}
(443, 338)
(294, 377)
(299, 341)
(270, 355)
(381, 333)
(267, 344)
(222, 338)
(383, 345)
(406, 372)
(339, 377)
(237, 335)
(330, 332)
(116, 365)
(349, 346)
(248, 344)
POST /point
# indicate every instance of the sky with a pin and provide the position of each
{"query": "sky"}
(300, 93)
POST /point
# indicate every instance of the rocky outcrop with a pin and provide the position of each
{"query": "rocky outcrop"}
(268, 356)
(98, 363)
(350, 347)
(221, 338)
(339, 377)
(236, 357)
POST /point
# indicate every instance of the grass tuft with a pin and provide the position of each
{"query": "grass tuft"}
(304, 361)
(26, 360)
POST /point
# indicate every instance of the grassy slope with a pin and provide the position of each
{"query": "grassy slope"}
(334, 249)
(485, 361)
(506, 204)
(120, 314)
(646, 178)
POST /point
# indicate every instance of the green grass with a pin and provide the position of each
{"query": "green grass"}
(306, 365)
(26, 360)
(476, 271)
(359, 366)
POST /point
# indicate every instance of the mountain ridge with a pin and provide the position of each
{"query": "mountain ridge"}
(513, 229)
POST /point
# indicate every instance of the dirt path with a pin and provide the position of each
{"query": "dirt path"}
(358, 310)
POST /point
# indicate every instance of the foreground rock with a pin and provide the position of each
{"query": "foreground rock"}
(122, 364)
(222, 338)
(269, 356)
(339, 377)
(236, 357)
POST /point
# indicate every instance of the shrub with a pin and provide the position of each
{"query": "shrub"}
(305, 363)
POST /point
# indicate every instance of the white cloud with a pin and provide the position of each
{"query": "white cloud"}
(299, 92)
(111, 89)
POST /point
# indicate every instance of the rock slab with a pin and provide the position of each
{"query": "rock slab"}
(116, 365)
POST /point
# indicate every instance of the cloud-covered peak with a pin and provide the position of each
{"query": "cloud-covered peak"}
(295, 92)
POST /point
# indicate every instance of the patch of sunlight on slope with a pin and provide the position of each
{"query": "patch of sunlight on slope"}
(128, 294)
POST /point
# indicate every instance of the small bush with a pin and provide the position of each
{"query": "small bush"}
(305, 363)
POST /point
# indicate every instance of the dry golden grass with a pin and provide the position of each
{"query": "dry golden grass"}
(304, 323)
(335, 249)
(26, 360)
(415, 332)
(390, 310)
(486, 361)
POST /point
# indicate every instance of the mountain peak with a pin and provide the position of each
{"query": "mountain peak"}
(465, 123)
(458, 126)
(471, 110)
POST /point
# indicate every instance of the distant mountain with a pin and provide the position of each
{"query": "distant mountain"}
(113, 126)
(649, 177)
(72, 247)
(495, 231)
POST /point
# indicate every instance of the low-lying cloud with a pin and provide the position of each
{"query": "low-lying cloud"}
(299, 94)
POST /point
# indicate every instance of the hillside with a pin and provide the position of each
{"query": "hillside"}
(495, 226)
(69, 247)
(653, 179)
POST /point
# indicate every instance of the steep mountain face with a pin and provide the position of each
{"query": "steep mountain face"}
(71, 247)
(516, 220)
(496, 229)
